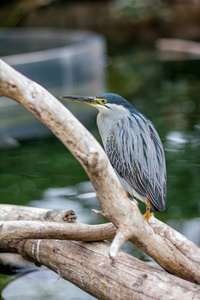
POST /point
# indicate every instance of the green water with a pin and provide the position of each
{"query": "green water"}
(26, 172)
(44, 173)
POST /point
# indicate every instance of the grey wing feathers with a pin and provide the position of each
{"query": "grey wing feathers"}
(137, 156)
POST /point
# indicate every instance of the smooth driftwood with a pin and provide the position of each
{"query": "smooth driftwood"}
(21, 222)
(85, 264)
(81, 232)
(122, 212)
(185, 246)
(54, 230)
(88, 266)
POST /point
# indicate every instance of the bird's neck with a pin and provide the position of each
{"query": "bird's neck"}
(104, 126)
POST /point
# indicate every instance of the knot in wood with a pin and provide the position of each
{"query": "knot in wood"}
(97, 163)
(70, 216)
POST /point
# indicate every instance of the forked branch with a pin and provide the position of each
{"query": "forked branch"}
(123, 213)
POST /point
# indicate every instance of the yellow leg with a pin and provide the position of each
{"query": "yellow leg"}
(147, 215)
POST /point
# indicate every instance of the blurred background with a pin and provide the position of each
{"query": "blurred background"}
(148, 51)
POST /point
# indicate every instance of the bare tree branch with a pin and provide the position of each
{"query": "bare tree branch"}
(88, 266)
(185, 246)
(53, 230)
(122, 212)
(92, 232)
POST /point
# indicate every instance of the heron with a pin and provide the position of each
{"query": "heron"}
(133, 147)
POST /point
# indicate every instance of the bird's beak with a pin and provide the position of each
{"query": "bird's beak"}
(88, 100)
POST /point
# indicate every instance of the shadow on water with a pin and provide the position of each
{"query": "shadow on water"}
(43, 173)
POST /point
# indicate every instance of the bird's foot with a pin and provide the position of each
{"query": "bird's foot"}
(148, 215)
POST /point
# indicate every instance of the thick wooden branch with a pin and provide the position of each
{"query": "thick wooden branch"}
(21, 222)
(54, 230)
(88, 266)
(124, 214)
(102, 232)
(185, 246)
(85, 264)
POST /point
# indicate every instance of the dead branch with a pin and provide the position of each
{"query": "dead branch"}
(51, 230)
(185, 246)
(88, 266)
(123, 213)
(92, 232)
(20, 222)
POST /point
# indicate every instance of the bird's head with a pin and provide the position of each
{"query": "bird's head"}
(102, 102)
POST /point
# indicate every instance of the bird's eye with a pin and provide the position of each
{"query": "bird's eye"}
(103, 101)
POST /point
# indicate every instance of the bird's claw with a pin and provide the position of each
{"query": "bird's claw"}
(147, 216)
